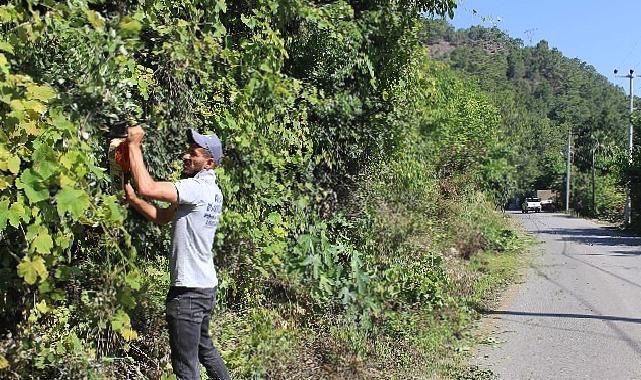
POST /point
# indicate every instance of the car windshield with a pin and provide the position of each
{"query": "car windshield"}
(534, 200)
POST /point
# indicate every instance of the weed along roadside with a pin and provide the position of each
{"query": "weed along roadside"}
(477, 284)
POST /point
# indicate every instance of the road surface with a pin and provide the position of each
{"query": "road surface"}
(578, 313)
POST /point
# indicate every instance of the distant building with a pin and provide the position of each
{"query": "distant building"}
(547, 194)
(548, 198)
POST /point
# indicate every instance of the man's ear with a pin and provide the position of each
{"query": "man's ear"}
(211, 163)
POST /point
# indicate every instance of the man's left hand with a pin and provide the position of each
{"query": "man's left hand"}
(130, 194)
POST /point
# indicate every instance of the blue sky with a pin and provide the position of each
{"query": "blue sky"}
(602, 33)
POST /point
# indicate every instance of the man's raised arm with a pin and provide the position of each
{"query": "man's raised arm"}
(145, 185)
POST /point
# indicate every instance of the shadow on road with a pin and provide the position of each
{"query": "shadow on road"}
(595, 236)
(614, 254)
(562, 315)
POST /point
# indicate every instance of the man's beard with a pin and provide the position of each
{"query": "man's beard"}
(185, 175)
(188, 174)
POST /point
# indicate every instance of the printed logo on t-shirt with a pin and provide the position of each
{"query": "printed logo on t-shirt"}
(213, 212)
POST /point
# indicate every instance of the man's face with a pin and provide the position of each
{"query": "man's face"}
(196, 159)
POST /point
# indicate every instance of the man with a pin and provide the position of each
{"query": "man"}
(195, 207)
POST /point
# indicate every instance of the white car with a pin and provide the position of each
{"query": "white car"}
(531, 204)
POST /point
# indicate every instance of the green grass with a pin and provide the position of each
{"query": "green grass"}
(497, 271)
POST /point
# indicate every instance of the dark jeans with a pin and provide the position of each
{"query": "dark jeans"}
(188, 312)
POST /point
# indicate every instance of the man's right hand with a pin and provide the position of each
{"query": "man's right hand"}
(135, 135)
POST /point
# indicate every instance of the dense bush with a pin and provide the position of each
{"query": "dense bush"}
(345, 149)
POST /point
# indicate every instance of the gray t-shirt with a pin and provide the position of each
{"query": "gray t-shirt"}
(200, 203)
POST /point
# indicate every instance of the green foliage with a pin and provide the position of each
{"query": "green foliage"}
(50, 174)
(346, 150)
(540, 94)
(630, 173)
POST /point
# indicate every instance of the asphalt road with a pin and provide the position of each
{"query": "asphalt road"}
(577, 315)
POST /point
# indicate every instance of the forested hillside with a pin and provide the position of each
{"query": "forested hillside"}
(541, 94)
(358, 236)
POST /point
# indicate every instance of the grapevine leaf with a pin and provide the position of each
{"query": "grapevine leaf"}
(130, 27)
(25, 32)
(46, 161)
(4, 64)
(42, 307)
(63, 240)
(31, 127)
(42, 93)
(74, 201)
(273, 218)
(32, 231)
(31, 269)
(9, 14)
(133, 280)
(46, 168)
(221, 6)
(5, 181)
(62, 124)
(6, 47)
(4, 211)
(13, 164)
(65, 181)
(33, 186)
(16, 213)
(95, 19)
(34, 105)
(43, 242)
(120, 321)
(69, 159)
(27, 271)
(16, 104)
(45, 287)
(114, 210)
(4, 363)
(129, 334)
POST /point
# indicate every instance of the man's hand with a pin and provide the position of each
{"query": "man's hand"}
(135, 135)
(150, 211)
(130, 194)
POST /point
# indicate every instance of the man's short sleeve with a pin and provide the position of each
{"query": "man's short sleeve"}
(189, 191)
